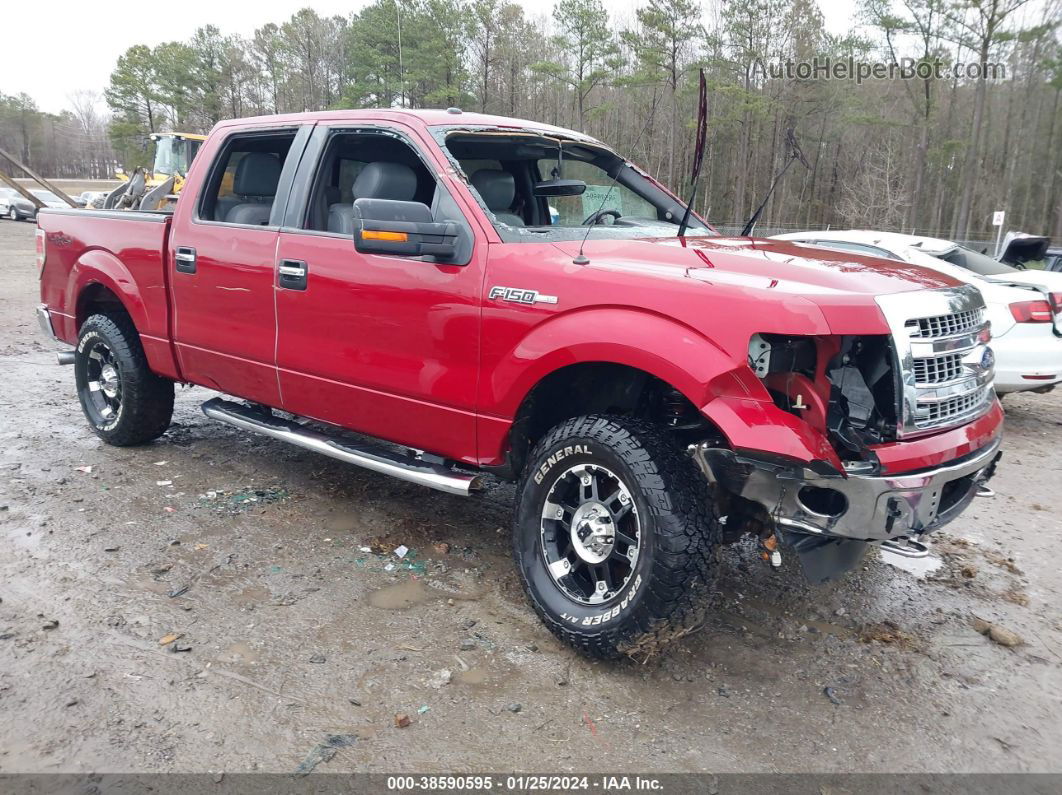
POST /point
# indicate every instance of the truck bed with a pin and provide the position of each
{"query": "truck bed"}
(123, 252)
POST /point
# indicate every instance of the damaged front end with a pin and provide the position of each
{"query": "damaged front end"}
(868, 395)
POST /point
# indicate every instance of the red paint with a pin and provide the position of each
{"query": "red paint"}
(940, 448)
(416, 353)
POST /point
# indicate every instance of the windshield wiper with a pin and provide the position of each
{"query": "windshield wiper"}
(698, 151)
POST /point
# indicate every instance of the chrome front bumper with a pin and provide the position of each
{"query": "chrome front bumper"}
(857, 507)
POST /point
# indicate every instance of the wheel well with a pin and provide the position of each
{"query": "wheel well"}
(96, 299)
(598, 388)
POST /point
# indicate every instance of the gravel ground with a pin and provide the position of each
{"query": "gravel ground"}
(252, 553)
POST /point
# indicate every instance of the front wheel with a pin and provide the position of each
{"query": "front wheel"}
(124, 402)
(12, 213)
(615, 534)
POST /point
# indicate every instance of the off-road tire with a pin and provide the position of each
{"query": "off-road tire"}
(671, 583)
(146, 400)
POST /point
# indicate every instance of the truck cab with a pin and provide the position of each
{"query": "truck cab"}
(480, 297)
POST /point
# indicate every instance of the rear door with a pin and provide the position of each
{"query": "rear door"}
(385, 345)
(222, 256)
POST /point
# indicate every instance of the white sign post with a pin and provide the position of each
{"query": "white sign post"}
(997, 220)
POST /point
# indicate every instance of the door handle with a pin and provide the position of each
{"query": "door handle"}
(185, 259)
(291, 274)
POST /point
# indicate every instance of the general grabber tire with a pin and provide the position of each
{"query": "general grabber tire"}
(124, 402)
(615, 535)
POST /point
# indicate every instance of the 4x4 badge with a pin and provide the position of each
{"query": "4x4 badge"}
(518, 296)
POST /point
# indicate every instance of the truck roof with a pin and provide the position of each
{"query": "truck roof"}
(426, 118)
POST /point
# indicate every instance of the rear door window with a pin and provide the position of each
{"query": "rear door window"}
(243, 186)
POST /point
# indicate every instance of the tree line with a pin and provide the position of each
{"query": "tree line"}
(936, 154)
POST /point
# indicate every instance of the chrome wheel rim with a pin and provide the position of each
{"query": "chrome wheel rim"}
(591, 534)
(103, 383)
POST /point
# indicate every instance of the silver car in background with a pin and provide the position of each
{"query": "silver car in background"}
(16, 207)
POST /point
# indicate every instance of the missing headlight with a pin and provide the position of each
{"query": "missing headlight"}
(864, 388)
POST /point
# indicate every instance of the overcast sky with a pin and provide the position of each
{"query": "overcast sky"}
(84, 38)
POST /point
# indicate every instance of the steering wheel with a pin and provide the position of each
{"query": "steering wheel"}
(595, 218)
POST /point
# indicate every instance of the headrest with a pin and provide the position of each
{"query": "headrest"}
(381, 180)
(257, 174)
(496, 187)
(341, 218)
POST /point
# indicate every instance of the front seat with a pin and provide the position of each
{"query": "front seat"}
(497, 188)
(379, 180)
(254, 186)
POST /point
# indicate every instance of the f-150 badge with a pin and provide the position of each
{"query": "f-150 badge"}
(518, 296)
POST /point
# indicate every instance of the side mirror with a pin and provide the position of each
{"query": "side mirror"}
(385, 226)
(560, 187)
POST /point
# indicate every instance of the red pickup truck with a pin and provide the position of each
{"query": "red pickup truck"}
(441, 296)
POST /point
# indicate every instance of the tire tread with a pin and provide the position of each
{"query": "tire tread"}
(688, 533)
(147, 398)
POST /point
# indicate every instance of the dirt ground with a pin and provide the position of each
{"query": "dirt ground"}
(253, 553)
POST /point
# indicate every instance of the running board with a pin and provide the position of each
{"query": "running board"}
(907, 548)
(414, 470)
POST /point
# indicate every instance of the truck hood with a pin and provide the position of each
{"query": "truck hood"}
(782, 266)
(777, 286)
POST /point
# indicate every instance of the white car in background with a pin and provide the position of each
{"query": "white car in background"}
(1016, 249)
(1026, 312)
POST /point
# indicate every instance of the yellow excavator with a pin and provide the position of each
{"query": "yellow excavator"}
(158, 188)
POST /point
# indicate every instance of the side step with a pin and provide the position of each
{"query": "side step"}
(414, 470)
(907, 548)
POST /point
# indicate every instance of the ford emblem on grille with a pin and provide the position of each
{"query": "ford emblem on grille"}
(988, 360)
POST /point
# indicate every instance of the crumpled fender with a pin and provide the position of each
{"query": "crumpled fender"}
(722, 385)
(761, 426)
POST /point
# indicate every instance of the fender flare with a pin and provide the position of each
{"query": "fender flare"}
(101, 267)
(636, 338)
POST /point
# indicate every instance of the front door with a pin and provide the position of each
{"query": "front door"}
(385, 345)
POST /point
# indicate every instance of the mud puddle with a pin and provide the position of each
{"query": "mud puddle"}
(402, 595)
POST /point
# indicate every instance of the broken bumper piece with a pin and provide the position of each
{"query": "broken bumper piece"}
(857, 507)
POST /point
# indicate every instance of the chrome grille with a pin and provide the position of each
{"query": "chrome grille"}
(954, 408)
(945, 369)
(938, 369)
(940, 326)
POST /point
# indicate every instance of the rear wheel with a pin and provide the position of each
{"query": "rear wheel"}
(12, 213)
(614, 536)
(124, 402)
